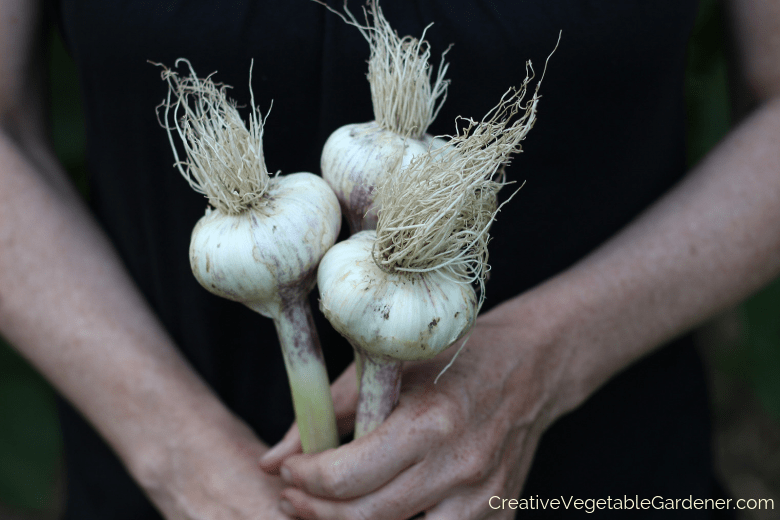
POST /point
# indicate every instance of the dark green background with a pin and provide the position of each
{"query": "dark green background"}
(30, 455)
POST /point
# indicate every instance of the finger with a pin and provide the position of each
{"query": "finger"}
(359, 467)
(345, 396)
(414, 491)
(485, 498)
(366, 464)
(397, 501)
(290, 444)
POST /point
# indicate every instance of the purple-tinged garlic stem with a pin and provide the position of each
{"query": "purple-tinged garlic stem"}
(380, 386)
(307, 375)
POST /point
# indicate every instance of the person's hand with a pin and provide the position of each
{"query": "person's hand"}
(213, 475)
(345, 398)
(446, 449)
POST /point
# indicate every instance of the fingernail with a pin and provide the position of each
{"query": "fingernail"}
(286, 474)
(269, 454)
(286, 507)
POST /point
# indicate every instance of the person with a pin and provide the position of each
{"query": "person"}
(171, 396)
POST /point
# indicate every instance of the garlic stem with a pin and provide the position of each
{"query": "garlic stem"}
(358, 365)
(307, 375)
(261, 243)
(380, 386)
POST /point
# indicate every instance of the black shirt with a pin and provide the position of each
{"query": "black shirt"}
(609, 140)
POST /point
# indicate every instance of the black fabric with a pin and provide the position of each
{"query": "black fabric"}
(609, 140)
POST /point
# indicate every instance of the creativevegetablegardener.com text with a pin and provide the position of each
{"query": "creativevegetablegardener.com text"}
(590, 505)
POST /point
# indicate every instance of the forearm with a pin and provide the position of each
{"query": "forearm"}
(67, 304)
(709, 243)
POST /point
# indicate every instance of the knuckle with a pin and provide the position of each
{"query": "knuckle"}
(332, 482)
(476, 466)
(443, 419)
(441, 425)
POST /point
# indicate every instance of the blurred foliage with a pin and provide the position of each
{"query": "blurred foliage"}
(67, 120)
(754, 357)
(30, 454)
(706, 82)
(762, 320)
(29, 435)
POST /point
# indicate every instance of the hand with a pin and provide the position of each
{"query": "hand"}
(213, 475)
(345, 398)
(446, 449)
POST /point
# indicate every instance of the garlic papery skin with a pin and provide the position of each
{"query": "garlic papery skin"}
(408, 316)
(356, 158)
(388, 318)
(269, 250)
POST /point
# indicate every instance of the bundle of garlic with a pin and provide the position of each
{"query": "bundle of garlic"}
(414, 286)
(262, 241)
(357, 157)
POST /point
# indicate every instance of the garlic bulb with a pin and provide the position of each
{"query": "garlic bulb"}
(388, 318)
(407, 290)
(356, 157)
(266, 255)
(405, 316)
(262, 241)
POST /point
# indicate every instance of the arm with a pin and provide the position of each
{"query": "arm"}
(706, 245)
(68, 306)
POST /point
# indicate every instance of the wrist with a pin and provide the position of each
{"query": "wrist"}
(544, 333)
(187, 421)
(205, 463)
